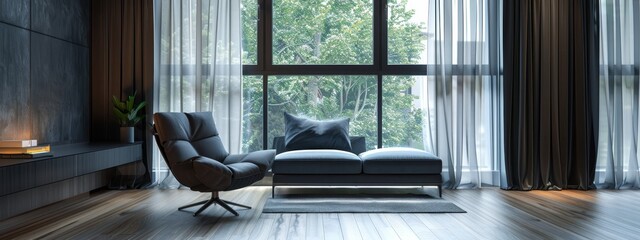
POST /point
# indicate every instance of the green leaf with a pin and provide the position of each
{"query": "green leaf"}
(122, 118)
(118, 104)
(130, 103)
(127, 112)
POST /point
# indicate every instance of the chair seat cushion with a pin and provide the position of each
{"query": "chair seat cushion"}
(400, 160)
(244, 174)
(261, 158)
(323, 161)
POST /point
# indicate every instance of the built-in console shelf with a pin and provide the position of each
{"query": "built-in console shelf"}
(74, 169)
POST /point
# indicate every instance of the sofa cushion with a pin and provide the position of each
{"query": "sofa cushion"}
(317, 162)
(358, 144)
(302, 133)
(400, 160)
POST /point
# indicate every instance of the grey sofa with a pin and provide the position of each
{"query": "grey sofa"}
(379, 167)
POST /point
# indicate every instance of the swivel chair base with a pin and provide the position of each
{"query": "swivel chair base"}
(214, 199)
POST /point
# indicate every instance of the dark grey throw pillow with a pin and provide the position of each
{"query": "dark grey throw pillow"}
(303, 133)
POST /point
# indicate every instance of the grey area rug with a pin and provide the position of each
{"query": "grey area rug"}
(359, 204)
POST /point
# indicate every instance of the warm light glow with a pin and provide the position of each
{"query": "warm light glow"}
(564, 196)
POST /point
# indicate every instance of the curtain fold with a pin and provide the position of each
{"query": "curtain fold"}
(618, 153)
(460, 97)
(550, 94)
(200, 67)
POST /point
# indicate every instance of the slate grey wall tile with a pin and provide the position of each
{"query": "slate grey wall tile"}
(45, 82)
(60, 90)
(15, 12)
(65, 19)
(14, 82)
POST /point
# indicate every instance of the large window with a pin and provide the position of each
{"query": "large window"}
(362, 59)
(322, 32)
(407, 30)
(415, 73)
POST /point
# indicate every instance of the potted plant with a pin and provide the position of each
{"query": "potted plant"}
(127, 115)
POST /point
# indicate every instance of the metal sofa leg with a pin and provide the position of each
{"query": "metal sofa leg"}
(273, 191)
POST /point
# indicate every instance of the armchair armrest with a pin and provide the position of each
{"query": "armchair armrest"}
(212, 173)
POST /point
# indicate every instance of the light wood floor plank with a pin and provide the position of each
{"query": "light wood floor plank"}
(491, 214)
(280, 227)
(367, 229)
(262, 230)
(297, 227)
(349, 227)
(385, 230)
(400, 226)
(315, 227)
(419, 229)
(331, 226)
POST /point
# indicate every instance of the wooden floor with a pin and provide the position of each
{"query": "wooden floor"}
(491, 214)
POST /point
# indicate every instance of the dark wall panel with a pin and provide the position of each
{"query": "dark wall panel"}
(45, 77)
(65, 19)
(14, 82)
(60, 90)
(15, 12)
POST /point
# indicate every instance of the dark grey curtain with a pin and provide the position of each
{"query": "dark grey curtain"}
(550, 93)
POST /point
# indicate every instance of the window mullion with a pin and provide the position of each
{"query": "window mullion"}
(380, 61)
(261, 35)
(267, 36)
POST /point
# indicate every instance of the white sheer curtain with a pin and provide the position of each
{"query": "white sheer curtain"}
(618, 151)
(200, 67)
(461, 96)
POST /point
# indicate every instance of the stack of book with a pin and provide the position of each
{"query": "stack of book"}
(23, 149)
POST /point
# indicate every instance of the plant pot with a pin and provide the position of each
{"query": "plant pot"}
(126, 134)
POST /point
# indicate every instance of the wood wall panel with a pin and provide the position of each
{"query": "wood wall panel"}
(122, 60)
(115, 50)
(128, 54)
(122, 63)
(99, 72)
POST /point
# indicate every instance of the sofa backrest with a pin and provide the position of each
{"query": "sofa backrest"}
(358, 144)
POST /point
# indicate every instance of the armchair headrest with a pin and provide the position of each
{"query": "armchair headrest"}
(195, 133)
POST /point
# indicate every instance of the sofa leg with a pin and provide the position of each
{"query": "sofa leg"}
(273, 191)
(440, 191)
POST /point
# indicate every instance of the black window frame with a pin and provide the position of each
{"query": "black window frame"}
(379, 68)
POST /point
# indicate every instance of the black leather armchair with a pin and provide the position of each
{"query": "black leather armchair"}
(192, 149)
